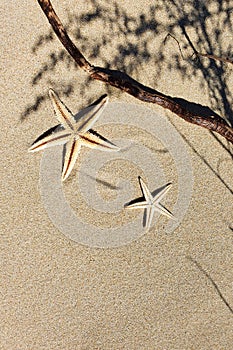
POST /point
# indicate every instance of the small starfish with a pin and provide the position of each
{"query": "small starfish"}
(151, 202)
(74, 131)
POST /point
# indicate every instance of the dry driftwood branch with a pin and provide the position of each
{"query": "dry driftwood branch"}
(125, 83)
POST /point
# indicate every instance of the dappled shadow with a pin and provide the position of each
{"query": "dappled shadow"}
(197, 25)
(128, 55)
(203, 29)
(129, 43)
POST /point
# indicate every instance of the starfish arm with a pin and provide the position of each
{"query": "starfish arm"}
(162, 210)
(145, 191)
(63, 114)
(159, 196)
(92, 139)
(149, 216)
(72, 149)
(138, 205)
(89, 115)
(49, 139)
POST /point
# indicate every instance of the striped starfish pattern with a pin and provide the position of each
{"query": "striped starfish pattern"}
(74, 131)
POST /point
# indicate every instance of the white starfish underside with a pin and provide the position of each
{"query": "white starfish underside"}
(151, 203)
(74, 131)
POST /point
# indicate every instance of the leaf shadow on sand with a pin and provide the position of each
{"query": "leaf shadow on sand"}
(197, 25)
(132, 41)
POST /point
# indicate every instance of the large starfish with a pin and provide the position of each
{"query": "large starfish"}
(151, 202)
(74, 131)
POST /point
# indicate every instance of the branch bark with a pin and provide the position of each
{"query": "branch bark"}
(127, 84)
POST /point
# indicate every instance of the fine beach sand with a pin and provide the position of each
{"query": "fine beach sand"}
(162, 291)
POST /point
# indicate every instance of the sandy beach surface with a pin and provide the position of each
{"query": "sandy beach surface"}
(159, 290)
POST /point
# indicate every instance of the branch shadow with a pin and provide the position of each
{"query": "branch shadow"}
(208, 21)
(132, 47)
(199, 26)
(214, 284)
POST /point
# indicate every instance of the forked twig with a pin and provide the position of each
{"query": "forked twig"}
(125, 83)
(173, 37)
